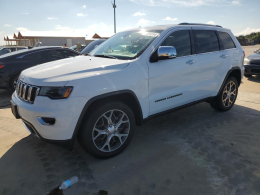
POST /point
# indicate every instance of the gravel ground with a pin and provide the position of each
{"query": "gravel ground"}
(196, 150)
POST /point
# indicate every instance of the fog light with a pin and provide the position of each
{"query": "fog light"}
(46, 120)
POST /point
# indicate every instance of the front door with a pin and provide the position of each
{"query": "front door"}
(172, 81)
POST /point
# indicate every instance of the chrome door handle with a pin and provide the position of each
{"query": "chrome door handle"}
(224, 56)
(191, 62)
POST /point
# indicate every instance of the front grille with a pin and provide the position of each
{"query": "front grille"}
(27, 92)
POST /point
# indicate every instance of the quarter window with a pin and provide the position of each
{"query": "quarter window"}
(226, 40)
(205, 41)
(181, 41)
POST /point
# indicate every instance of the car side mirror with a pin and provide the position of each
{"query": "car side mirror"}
(166, 52)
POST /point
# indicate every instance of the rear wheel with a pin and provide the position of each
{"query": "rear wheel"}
(108, 130)
(227, 97)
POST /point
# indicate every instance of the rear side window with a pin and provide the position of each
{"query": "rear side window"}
(205, 41)
(68, 54)
(181, 41)
(55, 55)
(226, 40)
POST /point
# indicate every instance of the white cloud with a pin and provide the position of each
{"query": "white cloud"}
(59, 27)
(139, 14)
(84, 6)
(8, 25)
(211, 22)
(248, 31)
(51, 18)
(143, 22)
(80, 14)
(25, 13)
(188, 3)
(101, 28)
(170, 19)
(235, 2)
(22, 29)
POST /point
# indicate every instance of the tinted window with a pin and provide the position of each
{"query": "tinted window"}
(33, 56)
(206, 41)
(181, 41)
(68, 54)
(55, 55)
(4, 51)
(13, 49)
(91, 46)
(226, 40)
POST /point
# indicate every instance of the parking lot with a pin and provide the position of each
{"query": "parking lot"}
(196, 150)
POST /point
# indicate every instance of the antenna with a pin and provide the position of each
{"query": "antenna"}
(114, 6)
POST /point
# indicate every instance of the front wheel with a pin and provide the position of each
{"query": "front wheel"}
(227, 97)
(108, 130)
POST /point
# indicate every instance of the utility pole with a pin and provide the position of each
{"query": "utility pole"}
(114, 6)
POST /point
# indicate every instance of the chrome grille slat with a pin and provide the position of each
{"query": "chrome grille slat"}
(27, 92)
(24, 90)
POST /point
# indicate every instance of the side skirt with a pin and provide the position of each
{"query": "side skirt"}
(208, 100)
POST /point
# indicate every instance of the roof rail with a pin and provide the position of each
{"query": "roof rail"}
(186, 23)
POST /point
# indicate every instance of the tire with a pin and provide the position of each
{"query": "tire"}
(226, 98)
(13, 81)
(108, 139)
(248, 75)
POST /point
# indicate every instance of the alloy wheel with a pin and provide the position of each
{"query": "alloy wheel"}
(229, 94)
(111, 130)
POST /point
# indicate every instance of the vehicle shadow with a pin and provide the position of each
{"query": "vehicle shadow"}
(194, 149)
(254, 78)
(5, 97)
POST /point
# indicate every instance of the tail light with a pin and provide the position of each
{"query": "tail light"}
(1, 66)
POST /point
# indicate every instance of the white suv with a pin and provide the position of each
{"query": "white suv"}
(134, 75)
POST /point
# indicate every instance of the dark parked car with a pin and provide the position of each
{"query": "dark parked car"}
(12, 64)
(91, 46)
(74, 47)
(252, 64)
(5, 50)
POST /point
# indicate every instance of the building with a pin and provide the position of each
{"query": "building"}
(50, 38)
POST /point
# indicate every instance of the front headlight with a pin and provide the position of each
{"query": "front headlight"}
(56, 92)
(246, 61)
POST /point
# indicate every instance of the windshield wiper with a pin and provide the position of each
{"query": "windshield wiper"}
(105, 56)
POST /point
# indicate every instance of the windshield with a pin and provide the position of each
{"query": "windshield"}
(91, 46)
(126, 45)
(73, 47)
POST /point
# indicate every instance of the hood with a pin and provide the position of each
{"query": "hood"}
(254, 59)
(59, 72)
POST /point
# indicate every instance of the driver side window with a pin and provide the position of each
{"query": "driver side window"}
(181, 41)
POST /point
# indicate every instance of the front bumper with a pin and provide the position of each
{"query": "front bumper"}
(252, 69)
(64, 143)
(65, 111)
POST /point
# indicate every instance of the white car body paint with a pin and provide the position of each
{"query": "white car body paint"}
(150, 82)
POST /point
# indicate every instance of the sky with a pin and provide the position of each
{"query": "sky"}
(97, 16)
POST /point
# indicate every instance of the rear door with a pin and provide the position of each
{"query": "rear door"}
(211, 61)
